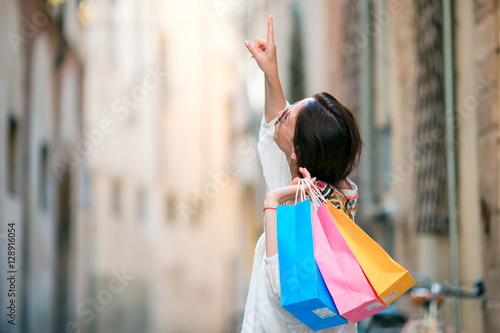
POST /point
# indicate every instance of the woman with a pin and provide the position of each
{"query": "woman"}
(317, 136)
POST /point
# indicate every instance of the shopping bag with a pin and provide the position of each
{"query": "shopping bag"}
(389, 279)
(352, 293)
(303, 290)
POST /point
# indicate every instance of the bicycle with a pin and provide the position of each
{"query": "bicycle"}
(431, 298)
(428, 296)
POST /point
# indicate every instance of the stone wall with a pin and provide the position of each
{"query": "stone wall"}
(486, 66)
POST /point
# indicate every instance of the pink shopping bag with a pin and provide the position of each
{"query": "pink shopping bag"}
(350, 289)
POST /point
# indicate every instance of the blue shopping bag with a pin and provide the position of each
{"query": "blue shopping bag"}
(303, 290)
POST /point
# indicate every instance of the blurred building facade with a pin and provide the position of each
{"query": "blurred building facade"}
(132, 186)
(40, 116)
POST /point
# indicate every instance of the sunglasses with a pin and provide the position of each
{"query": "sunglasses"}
(283, 117)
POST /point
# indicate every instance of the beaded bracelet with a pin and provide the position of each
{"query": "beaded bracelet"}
(268, 208)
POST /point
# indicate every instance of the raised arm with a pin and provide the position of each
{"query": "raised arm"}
(264, 52)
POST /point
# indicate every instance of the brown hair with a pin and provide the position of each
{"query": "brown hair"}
(327, 139)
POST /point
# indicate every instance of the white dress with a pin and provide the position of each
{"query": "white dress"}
(263, 310)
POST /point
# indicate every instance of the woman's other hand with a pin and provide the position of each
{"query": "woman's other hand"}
(281, 195)
(264, 51)
(273, 199)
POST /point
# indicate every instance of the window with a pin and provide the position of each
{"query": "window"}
(141, 205)
(113, 35)
(162, 64)
(297, 76)
(85, 188)
(171, 213)
(116, 199)
(351, 57)
(13, 155)
(431, 206)
(43, 198)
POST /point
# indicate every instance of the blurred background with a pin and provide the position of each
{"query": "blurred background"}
(128, 163)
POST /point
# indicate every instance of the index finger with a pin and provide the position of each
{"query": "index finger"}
(270, 30)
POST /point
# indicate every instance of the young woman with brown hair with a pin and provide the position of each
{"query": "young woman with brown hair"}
(315, 136)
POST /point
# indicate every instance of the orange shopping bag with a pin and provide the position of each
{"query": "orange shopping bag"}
(389, 279)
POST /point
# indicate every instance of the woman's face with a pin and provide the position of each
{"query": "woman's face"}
(285, 127)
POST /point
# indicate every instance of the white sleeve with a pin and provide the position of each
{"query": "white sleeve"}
(276, 174)
(274, 163)
(273, 280)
